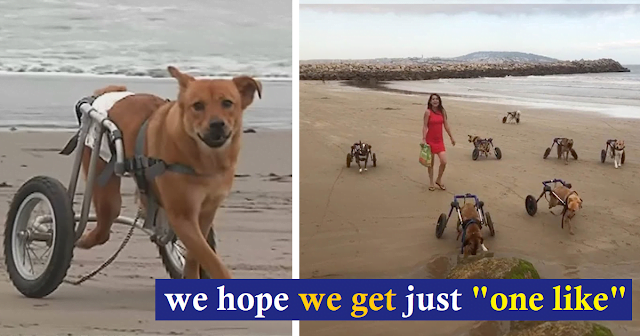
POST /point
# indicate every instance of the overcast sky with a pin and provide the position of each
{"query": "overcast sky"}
(564, 31)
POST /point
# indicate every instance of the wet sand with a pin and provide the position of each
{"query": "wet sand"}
(254, 239)
(381, 223)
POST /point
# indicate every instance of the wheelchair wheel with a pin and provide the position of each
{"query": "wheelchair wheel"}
(373, 159)
(546, 153)
(504, 120)
(349, 159)
(498, 153)
(603, 155)
(487, 218)
(27, 235)
(531, 205)
(574, 154)
(517, 120)
(442, 223)
(172, 256)
(475, 154)
(622, 158)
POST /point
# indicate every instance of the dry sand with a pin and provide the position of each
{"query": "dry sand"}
(254, 239)
(380, 224)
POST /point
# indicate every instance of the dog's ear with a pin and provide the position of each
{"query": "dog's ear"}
(183, 79)
(247, 87)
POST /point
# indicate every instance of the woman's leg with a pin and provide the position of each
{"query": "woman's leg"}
(432, 186)
(443, 164)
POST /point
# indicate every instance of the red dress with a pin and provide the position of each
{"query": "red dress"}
(434, 132)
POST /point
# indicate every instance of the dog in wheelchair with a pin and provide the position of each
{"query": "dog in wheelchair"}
(471, 225)
(617, 153)
(360, 152)
(570, 202)
(511, 116)
(565, 146)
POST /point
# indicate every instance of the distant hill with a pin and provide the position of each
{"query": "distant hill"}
(475, 57)
(503, 56)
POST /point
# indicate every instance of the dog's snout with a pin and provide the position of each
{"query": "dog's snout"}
(216, 125)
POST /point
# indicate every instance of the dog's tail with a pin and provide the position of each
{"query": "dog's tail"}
(110, 88)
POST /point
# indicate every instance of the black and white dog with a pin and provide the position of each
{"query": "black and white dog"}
(361, 151)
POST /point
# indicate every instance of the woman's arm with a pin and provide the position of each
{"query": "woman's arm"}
(425, 125)
(446, 127)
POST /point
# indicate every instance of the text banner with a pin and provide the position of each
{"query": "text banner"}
(351, 299)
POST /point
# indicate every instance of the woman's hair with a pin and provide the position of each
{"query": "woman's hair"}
(440, 106)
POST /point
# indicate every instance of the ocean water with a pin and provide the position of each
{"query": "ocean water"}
(54, 52)
(612, 94)
(142, 37)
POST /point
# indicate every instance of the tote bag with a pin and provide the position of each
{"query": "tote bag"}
(425, 155)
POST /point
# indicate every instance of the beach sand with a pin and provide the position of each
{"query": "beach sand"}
(381, 223)
(254, 239)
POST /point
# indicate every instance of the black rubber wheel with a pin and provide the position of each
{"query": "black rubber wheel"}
(531, 205)
(603, 155)
(47, 190)
(622, 158)
(517, 120)
(574, 154)
(498, 153)
(442, 223)
(487, 218)
(546, 153)
(475, 154)
(349, 159)
(504, 120)
(374, 159)
(172, 266)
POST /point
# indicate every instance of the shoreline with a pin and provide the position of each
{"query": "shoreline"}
(513, 102)
(44, 102)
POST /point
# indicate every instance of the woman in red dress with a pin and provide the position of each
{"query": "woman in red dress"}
(434, 119)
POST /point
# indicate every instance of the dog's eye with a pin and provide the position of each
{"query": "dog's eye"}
(227, 103)
(198, 106)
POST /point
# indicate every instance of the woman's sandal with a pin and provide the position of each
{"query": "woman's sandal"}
(432, 188)
(441, 186)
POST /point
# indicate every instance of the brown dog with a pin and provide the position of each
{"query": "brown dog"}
(472, 236)
(573, 204)
(478, 142)
(202, 130)
(564, 149)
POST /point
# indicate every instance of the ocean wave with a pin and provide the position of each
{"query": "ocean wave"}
(280, 72)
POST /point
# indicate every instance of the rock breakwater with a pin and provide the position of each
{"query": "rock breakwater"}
(357, 71)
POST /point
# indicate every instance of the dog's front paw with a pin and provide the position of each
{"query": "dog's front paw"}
(361, 170)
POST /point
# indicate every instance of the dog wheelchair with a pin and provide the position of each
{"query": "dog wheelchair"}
(515, 115)
(483, 146)
(351, 156)
(485, 217)
(58, 231)
(610, 147)
(558, 143)
(531, 203)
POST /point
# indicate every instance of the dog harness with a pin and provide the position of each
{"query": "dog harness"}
(143, 168)
(466, 224)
